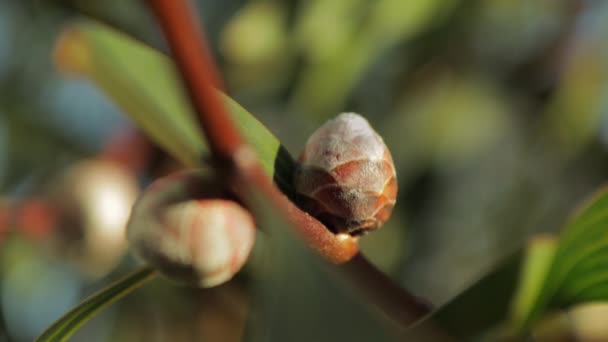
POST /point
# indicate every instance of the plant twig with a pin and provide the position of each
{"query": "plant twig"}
(194, 61)
(196, 68)
(200, 77)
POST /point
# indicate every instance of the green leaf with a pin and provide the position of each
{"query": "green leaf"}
(145, 84)
(579, 271)
(536, 266)
(552, 272)
(138, 80)
(483, 305)
(70, 322)
(341, 50)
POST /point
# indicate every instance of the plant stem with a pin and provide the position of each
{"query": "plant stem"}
(187, 43)
(200, 77)
(195, 64)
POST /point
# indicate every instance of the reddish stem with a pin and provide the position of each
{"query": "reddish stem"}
(195, 64)
(337, 249)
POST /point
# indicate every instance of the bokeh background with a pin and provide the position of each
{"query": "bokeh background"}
(496, 113)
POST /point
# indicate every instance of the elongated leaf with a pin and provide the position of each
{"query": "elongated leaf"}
(68, 324)
(145, 84)
(483, 305)
(537, 263)
(579, 271)
(138, 80)
(553, 273)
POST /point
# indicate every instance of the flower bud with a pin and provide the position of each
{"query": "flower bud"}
(346, 177)
(90, 204)
(184, 226)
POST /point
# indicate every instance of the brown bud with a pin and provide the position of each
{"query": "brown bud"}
(183, 227)
(346, 177)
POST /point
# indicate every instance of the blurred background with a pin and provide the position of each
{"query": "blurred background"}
(495, 111)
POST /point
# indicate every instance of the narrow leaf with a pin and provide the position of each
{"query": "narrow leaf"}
(580, 270)
(553, 273)
(70, 322)
(138, 80)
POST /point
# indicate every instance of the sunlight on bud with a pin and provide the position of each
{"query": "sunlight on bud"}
(346, 177)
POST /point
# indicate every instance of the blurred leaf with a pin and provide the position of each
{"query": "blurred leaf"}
(482, 306)
(579, 271)
(325, 27)
(574, 114)
(554, 273)
(256, 34)
(537, 264)
(145, 84)
(140, 80)
(449, 119)
(341, 50)
(256, 47)
(394, 20)
(68, 324)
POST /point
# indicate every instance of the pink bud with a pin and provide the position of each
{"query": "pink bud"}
(182, 227)
(346, 177)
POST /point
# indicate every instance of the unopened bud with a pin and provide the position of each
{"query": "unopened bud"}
(346, 177)
(183, 227)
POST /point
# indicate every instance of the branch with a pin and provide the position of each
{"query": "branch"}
(187, 43)
(199, 74)
(200, 77)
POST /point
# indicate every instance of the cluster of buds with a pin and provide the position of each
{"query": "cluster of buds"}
(189, 227)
